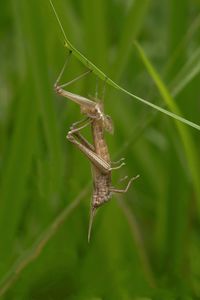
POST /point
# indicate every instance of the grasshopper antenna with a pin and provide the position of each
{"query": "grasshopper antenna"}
(63, 68)
(104, 89)
(92, 215)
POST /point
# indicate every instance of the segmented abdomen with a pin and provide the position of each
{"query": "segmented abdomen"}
(100, 145)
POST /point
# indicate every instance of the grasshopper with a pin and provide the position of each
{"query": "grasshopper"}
(97, 153)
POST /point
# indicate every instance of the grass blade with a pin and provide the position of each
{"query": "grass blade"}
(190, 70)
(134, 20)
(95, 13)
(109, 81)
(38, 246)
(15, 177)
(187, 140)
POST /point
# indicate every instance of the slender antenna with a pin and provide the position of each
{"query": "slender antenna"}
(92, 215)
(75, 79)
(104, 89)
(59, 22)
(96, 88)
(63, 68)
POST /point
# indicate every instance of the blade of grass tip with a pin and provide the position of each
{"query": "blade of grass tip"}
(95, 29)
(186, 138)
(109, 81)
(132, 26)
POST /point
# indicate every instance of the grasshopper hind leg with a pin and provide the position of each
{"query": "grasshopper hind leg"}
(114, 163)
(122, 191)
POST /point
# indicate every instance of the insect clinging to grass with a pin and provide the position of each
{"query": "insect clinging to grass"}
(97, 153)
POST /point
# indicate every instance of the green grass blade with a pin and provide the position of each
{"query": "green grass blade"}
(192, 30)
(188, 143)
(130, 30)
(18, 162)
(35, 102)
(109, 81)
(177, 31)
(95, 13)
(189, 71)
(18, 166)
(38, 62)
(36, 249)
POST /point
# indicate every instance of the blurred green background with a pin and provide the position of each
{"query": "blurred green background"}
(145, 245)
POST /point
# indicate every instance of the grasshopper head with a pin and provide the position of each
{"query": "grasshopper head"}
(106, 120)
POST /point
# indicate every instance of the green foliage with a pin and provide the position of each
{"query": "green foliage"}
(146, 245)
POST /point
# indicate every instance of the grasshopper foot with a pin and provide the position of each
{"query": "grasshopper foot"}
(118, 167)
(114, 190)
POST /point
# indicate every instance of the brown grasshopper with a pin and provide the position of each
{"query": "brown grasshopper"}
(97, 153)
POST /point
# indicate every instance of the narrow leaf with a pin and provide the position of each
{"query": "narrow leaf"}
(187, 140)
(109, 81)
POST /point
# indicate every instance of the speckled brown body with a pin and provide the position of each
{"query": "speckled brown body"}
(99, 123)
(102, 182)
(97, 152)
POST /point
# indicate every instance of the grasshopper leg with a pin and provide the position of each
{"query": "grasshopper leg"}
(118, 161)
(88, 149)
(118, 167)
(83, 141)
(114, 190)
(76, 124)
(96, 160)
(74, 128)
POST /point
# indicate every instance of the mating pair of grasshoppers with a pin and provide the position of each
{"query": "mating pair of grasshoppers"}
(97, 152)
